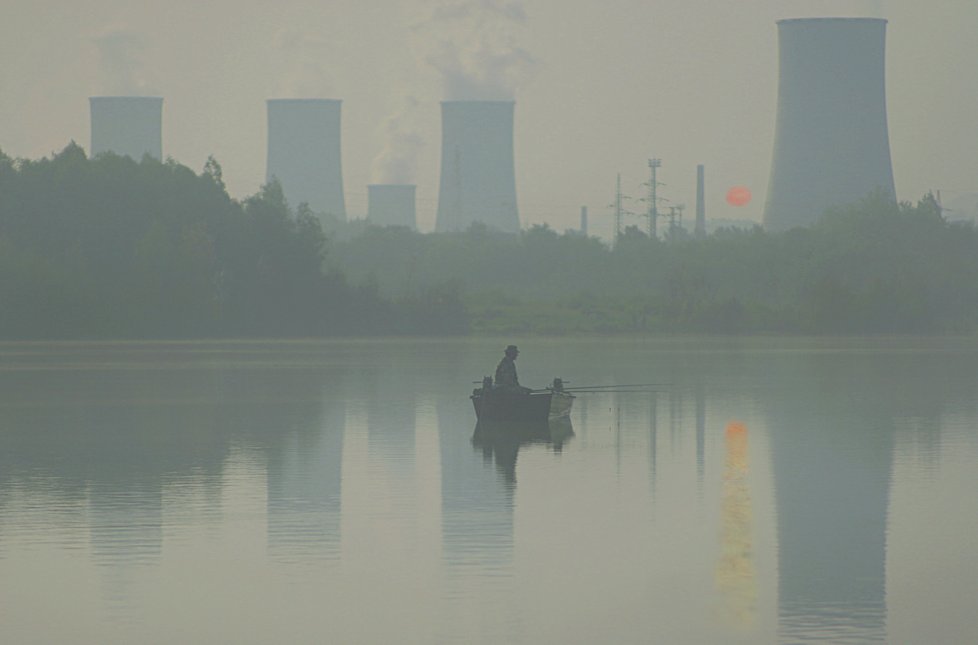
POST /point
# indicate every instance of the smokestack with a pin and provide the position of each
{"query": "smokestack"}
(304, 153)
(831, 142)
(478, 175)
(584, 221)
(391, 205)
(700, 230)
(127, 125)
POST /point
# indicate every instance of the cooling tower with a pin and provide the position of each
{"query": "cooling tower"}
(304, 153)
(391, 205)
(127, 125)
(478, 176)
(831, 144)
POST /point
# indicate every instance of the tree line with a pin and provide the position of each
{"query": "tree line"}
(113, 248)
(874, 267)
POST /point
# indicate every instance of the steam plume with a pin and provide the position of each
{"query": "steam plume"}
(474, 47)
(397, 162)
(302, 53)
(832, 9)
(120, 57)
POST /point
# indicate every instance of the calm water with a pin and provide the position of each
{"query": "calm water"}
(768, 491)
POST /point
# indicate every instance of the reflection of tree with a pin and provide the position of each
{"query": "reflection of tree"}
(112, 427)
(109, 437)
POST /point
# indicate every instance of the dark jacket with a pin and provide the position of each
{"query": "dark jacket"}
(506, 373)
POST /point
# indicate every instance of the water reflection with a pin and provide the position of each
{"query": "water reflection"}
(477, 528)
(833, 426)
(500, 442)
(700, 398)
(304, 470)
(653, 442)
(477, 512)
(138, 446)
(735, 569)
(79, 433)
(831, 476)
(150, 469)
(392, 394)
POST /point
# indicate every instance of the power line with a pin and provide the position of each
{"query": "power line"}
(618, 208)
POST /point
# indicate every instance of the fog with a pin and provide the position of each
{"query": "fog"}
(600, 88)
(225, 392)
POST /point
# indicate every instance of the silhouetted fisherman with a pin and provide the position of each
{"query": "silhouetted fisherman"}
(506, 371)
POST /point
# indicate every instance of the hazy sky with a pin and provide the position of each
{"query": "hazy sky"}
(600, 87)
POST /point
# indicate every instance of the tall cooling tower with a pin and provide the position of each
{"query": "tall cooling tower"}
(831, 143)
(304, 153)
(127, 125)
(391, 205)
(478, 175)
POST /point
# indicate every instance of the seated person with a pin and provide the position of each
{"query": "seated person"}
(506, 372)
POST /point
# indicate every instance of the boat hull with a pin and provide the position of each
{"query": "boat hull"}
(535, 407)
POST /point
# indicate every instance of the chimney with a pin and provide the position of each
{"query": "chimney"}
(478, 176)
(391, 205)
(831, 142)
(127, 126)
(584, 221)
(304, 153)
(700, 229)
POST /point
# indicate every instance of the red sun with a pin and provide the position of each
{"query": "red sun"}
(738, 196)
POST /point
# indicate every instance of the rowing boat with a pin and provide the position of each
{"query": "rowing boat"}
(521, 405)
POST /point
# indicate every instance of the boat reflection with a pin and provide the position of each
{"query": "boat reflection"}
(500, 441)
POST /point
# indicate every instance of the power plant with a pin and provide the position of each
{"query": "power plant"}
(831, 143)
(304, 153)
(478, 175)
(392, 205)
(127, 126)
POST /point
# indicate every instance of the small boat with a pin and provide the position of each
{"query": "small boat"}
(527, 406)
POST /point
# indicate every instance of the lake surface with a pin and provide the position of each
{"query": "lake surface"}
(767, 491)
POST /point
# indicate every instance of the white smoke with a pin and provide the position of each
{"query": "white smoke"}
(474, 45)
(302, 58)
(831, 9)
(397, 162)
(120, 63)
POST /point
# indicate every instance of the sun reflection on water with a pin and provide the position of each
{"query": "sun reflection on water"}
(735, 567)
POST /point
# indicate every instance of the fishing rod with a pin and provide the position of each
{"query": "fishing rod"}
(594, 389)
(608, 391)
(609, 387)
(601, 389)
